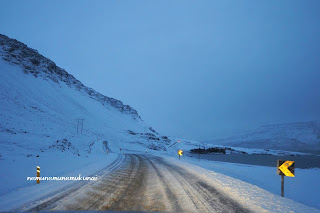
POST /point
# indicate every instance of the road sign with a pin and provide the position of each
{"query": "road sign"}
(180, 152)
(178, 141)
(286, 168)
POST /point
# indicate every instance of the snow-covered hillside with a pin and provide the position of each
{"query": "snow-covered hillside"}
(301, 137)
(50, 119)
(42, 107)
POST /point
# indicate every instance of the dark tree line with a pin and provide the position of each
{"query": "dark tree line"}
(210, 150)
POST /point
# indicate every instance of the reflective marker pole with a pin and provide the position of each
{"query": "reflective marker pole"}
(38, 174)
(282, 185)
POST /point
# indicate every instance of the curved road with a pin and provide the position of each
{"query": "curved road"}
(145, 183)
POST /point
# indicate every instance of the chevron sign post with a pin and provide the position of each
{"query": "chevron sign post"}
(285, 168)
(180, 152)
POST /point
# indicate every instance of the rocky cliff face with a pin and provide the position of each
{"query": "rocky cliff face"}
(33, 63)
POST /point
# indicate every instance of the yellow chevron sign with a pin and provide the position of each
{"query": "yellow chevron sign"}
(286, 168)
(180, 152)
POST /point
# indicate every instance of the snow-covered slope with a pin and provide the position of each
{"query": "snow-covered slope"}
(300, 136)
(31, 62)
(42, 107)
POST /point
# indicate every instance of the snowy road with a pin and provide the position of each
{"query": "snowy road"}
(146, 183)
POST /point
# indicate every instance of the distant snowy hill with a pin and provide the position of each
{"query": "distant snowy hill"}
(42, 107)
(300, 136)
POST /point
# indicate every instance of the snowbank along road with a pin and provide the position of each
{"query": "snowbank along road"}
(145, 183)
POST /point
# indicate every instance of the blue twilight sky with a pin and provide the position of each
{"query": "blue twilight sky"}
(192, 69)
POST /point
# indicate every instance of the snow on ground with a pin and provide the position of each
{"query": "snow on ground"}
(258, 187)
(304, 188)
(188, 145)
(39, 127)
(16, 190)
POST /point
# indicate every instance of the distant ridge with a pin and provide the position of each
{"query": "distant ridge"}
(297, 136)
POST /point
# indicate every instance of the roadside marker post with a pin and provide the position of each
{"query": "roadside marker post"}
(38, 174)
(285, 168)
(180, 152)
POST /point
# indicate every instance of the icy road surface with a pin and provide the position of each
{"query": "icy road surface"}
(145, 183)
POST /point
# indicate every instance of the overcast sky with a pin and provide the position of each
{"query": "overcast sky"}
(192, 69)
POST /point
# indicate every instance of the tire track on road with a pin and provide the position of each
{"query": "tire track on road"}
(51, 199)
(207, 194)
(146, 183)
(169, 195)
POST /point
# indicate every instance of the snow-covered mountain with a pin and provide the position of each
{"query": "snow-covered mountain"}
(45, 109)
(299, 136)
